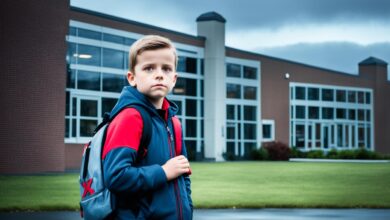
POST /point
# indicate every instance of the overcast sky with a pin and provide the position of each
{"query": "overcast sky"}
(334, 34)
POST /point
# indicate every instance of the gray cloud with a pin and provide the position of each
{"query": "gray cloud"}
(244, 14)
(339, 56)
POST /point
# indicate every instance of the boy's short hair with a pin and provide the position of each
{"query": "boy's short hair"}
(149, 42)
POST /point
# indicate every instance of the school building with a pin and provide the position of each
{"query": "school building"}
(63, 67)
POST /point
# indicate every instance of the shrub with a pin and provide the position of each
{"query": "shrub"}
(277, 150)
(332, 154)
(229, 156)
(316, 154)
(297, 153)
(347, 154)
(259, 154)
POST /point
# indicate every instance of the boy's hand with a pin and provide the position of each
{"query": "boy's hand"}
(176, 166)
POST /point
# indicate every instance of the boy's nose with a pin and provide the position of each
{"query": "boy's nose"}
(159, 73)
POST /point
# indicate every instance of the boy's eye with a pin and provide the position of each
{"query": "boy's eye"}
(167, 69)
(148, 69)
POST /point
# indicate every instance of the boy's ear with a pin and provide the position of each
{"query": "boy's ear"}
(175, 78)
(130, 78)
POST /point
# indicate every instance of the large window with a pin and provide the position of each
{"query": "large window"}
(242, 107)
(326, 117)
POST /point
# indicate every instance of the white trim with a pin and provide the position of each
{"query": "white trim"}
(270, 122)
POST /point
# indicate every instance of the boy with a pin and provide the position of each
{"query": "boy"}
(158, 186)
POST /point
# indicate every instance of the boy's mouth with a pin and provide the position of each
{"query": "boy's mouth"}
(159, 85)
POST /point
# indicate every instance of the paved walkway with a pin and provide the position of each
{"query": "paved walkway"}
(230, 214)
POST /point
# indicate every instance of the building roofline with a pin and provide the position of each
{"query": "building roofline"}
(123, 20)
(290, 61)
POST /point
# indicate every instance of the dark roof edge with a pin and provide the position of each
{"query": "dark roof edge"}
(290, 61)
(111, 17)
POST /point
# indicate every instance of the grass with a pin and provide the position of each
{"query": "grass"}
(231, 184)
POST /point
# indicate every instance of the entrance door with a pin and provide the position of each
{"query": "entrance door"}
(87, 115)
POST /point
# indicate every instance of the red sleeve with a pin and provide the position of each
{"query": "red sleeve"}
(124, 131)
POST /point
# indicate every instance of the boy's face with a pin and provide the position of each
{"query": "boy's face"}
(154, 74)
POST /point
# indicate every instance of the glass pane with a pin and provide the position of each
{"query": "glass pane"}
(361, 115)
(67, 128)
(313, 112)
(129, 41)
(191, 65)
(108, 104)
(113, 58)
(185, 87)
(230, 112)
(250, 92)
(368, 98)
(67, 103)
(88, 80)
(72, 31)
(250, 131)
(248, 147)
(113, 38)
(202, 128)
(71, 56)
(341, 96)
(88, 108)
(238, 112)
(74, 127)
(361, 136)
(89, 34)
(300, 111)
(360, 96)
(190, 128)
(71, 78)
(300, 92)
(327, 113)
(352, 96)
(88, 55)
(266, 131)
(233, 91)
(368, 141)
(179, 106)
(327, 94)
(230, 147)
(87, 127)
(230, 133)
(74, 106)
(300, 136)
(250, 72)
(313, 93)
(201, 108)
(190, 107)
(351, 114)
(187, 64)
(233, 70)
(368, 115)
(250, 113)
(341, 113)
(113, 82)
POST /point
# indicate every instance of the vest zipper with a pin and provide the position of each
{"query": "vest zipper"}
(175, 182)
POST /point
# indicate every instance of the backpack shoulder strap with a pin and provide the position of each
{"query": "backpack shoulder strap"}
(146, 132)
(178, 138)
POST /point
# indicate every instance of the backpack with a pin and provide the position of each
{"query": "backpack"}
(96, 200)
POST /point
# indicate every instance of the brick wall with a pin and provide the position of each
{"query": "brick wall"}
(32, 85)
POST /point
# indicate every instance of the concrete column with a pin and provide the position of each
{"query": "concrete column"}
(212, 26)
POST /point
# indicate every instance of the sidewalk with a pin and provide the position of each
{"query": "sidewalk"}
(230, 214)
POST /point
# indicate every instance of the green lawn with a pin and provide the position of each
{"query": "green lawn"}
(231, 184)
